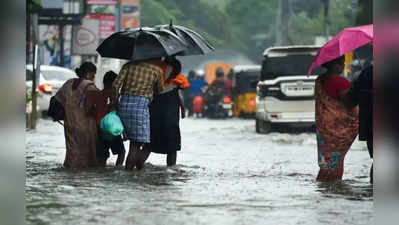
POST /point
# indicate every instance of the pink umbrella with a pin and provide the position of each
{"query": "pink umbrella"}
(346, 41)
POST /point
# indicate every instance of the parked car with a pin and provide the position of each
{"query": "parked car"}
(285, 94)
(51, 79)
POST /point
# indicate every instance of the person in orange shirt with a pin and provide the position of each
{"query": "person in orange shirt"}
(172, 67)
(164, 112)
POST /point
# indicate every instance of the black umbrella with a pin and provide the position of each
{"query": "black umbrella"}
(197, 44)
(140, 44)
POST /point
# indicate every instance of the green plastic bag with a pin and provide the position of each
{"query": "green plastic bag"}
(111, 125)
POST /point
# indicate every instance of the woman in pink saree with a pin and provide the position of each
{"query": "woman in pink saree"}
(80, 129)
(336, 124)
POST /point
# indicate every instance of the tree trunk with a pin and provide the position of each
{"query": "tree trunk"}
(326, 18)
(365, 12)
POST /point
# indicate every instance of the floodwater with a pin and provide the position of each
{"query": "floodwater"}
(226, 174)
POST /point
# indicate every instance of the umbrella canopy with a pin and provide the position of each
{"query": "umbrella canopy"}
(140, 44)
(197, 44)
(346, 41)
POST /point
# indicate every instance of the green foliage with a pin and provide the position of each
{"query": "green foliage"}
(248, 26)
(254, 24)
(311, 7)
(193, 14)
(305, 27)
(221, 4)
(340, 15)
(28, 94)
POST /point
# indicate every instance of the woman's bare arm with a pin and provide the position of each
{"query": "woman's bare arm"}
(182, 106)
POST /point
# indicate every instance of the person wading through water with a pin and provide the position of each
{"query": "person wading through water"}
(133, 91)
(336, 124)
(77, 96)
(165, 112)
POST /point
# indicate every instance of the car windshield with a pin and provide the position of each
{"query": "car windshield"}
(291, 65)
(61, 75)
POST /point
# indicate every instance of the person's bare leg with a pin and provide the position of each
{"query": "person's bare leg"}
(171, 159)
(121, 158)
(142, 156)
(130, 160)
(147, 154)
(371, 174)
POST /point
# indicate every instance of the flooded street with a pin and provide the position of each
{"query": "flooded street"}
(226, 174)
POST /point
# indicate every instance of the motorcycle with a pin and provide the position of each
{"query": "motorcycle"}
(218, 106)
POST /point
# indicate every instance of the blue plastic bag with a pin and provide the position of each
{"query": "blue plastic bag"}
(111, 125)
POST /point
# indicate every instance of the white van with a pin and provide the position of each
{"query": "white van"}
(285, 94)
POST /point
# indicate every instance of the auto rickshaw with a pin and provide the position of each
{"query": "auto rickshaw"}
(244, 92)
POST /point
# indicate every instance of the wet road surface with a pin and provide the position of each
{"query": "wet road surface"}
(226, 174)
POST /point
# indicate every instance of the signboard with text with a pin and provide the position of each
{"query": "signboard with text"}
(86, 37)
(130, 14)
(107, 24)
(101, 2)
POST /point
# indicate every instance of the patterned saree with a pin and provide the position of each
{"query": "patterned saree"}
(336, 129)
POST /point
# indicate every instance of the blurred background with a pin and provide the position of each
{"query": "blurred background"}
(64, 33)
(240, 30)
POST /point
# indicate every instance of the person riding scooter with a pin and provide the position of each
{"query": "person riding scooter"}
(222, 83)
(218, 96)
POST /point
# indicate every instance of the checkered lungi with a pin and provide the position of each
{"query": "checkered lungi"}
(135, 116)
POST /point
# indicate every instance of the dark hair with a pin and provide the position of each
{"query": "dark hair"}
(330, 64)
(82, 71)
(191, 74)
(85, 68)
(219, 72)
(109, 78)
(176, 67)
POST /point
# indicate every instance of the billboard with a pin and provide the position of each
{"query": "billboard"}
(50, 40)
(130, 14)
(101, 2)
(107, 24)
(86, 37)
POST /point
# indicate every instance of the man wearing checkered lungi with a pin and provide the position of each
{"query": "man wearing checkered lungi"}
(133, 89)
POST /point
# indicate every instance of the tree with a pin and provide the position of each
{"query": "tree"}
(365, 13)
(253, 24)
(200, 16)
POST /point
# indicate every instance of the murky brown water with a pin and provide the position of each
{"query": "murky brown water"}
(226, 174)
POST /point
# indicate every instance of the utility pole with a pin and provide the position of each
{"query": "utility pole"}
(36, 72)
(28, 19)
(282, 29)
(355, 9)
(61, 37)
(326, 18)
(278, 24)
